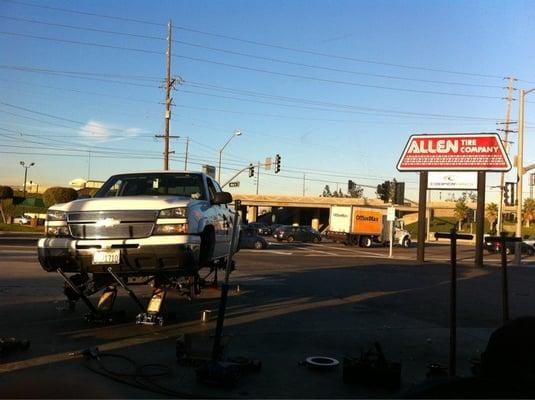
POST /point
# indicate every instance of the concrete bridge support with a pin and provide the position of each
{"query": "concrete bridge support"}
(252, 213)
(315, 224)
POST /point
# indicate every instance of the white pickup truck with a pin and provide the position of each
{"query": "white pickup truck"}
(150, 224)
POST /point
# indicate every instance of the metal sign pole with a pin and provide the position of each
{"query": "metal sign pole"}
(453, 236)
(421, 217)
(480, 219)
(391, 238)
(452, 367)
(505, 286)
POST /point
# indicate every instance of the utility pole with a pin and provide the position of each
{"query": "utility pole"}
(520, 162)
(167, 98)
(506, 140)
(88, 164)
(186, 159)
(25, 166)
(258, 177)
(304, 177)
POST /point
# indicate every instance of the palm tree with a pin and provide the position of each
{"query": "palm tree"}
(528, 213)
(461, 211)
(491, 213)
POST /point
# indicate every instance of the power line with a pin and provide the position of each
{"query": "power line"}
(208, 86)
(107, 75)
(254, 56)
(56, 117)
(258, 43)
(140, 21)
(324, 103)
(252, 69)
(71, 75)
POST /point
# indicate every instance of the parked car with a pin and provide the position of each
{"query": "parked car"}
(249, 239)
(22, 219)
(494, 246)
(261, 228)
(297, 233)
(530, 240)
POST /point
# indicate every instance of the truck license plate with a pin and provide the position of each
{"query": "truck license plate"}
(107, 257)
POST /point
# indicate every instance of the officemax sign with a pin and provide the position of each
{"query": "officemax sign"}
(454, 152)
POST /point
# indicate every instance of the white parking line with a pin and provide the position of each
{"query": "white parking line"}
(285, 253)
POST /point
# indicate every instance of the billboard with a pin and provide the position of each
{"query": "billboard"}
(455, 152)
(452, 180)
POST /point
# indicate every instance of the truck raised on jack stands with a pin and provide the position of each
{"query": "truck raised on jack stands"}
(363, 226)
(157, 228)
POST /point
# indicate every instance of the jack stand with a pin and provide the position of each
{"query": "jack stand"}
(93, 311)
(105, 307)
(102, 313)
(127, 289)
(152, 316)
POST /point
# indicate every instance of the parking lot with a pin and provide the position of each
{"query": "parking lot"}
(287, 302)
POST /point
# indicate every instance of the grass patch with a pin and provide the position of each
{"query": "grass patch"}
(21, 228)
(444, 224)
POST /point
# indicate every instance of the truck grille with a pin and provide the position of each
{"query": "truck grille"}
(131, 224)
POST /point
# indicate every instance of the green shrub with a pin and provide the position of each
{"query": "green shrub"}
(6, 192)
(55, 195)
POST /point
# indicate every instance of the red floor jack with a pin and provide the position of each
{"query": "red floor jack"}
(221, 371)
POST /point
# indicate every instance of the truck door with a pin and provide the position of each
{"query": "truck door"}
(221, 221)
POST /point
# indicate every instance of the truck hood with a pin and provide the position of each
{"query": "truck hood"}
(125, 203)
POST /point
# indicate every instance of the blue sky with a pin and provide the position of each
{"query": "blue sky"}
(348, 117)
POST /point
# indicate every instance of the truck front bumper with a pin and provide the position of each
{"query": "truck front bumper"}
(177, 254)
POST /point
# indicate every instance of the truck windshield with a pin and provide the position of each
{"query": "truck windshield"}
(153, 184)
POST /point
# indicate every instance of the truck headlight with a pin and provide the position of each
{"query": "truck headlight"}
(56, 215)
(179, 212)
(57, 231)
(171, 229)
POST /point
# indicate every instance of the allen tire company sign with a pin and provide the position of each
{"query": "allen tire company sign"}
(455, 152)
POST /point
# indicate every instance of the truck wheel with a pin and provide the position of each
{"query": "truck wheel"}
(290, 239)
(366, 242)
(406, 242)
(207, 246)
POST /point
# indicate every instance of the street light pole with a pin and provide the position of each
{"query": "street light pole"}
(237, 132)
(25, 175)
(520, 160)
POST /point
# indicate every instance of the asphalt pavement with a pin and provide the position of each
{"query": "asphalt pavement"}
(286, 303)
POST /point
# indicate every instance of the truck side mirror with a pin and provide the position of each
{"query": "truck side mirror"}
(222, 198)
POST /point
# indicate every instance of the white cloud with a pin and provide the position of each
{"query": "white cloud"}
(133, 132)
(95, 130)
(102, 132)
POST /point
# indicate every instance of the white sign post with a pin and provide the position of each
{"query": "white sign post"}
(391, 216)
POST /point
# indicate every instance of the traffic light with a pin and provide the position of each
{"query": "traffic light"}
(509, 194)
(399, 195)
(277, 163)
(351, 186)
(251, 170)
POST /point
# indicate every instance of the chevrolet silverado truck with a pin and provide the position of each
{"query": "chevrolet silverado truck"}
(160, 227)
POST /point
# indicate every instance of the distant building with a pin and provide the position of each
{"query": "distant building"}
(81, 183)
